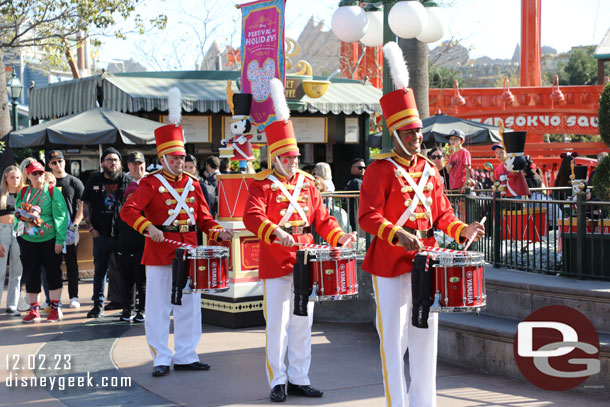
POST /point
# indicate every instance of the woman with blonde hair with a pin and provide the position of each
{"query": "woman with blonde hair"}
(323, 170)
(12, 182)
(24, 164)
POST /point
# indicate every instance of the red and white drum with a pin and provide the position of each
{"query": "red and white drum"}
(207, 269)
(333, 274)
(459, 282)
(232, 195)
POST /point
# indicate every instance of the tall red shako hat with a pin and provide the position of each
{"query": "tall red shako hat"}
(170, 138)
(399, 108)
(280, 133)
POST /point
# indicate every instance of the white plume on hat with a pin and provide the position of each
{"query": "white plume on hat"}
(282, 112)
(174, 105)
(398, 66)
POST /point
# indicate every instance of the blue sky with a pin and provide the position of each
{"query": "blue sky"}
(489, 27)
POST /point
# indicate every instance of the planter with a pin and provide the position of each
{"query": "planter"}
(593, 258)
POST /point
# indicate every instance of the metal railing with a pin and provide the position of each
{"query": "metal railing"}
(539, 234)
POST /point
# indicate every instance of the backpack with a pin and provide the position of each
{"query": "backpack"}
(25, 188)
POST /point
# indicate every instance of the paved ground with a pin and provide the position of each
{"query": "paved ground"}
(345, 365)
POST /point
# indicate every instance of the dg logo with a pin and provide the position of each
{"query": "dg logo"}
(557, 348)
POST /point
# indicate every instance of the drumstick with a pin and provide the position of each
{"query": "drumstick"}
(473, 236)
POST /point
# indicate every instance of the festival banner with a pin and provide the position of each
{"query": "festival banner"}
(262, 55)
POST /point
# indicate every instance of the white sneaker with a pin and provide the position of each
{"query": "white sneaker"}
(23, 305)
(74, 303)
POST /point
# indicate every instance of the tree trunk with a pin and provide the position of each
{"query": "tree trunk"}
(5, 115)
(416, 55)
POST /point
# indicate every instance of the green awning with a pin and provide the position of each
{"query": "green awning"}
(202, 91)
(603, 49)
(64, 98)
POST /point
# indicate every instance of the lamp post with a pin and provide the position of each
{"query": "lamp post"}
(14, 90)
(410, 19)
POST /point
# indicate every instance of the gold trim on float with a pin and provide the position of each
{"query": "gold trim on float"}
(232, 308)
(230, 218)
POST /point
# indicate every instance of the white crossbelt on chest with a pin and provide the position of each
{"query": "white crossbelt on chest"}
(292, 198)
(418, 189)
(180, 200)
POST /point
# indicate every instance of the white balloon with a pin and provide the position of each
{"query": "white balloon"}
(407, 19)
(374, 34)
(436, 27)
(349, 23)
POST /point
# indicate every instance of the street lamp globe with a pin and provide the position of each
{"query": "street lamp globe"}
(407, 19)
(14, 87)
(349, 22)
(374, 34)
(436, 27)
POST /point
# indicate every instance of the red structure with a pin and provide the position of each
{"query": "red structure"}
(531, 107)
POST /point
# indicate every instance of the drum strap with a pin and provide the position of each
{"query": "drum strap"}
(291, 198)
(180, 199)
(417, 188)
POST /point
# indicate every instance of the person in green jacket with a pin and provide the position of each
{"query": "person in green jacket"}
(42, 222)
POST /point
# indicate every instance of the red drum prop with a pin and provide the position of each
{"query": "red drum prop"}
(459, 282)
(333, 274)
(232, 195)
(207, 269)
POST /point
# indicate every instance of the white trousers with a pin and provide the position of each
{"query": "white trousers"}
(8, 239)
(286, 333)
(187, 319)
(396, 334)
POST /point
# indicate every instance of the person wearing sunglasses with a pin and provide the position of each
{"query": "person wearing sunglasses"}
(436, 156)
(353, 184)
(41, 233)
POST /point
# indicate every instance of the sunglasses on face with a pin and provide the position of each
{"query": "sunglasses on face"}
(38, 173)
(361, 168)
(56, 162)
(436, 157)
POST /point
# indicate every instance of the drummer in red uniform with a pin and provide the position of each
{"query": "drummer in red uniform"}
(401, 203)
(283, 205)
(173, 206)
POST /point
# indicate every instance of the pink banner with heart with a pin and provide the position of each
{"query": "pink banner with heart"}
(262, 55)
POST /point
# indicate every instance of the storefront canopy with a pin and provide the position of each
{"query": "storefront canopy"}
(95, 126)
(202, 92)
(437, 128)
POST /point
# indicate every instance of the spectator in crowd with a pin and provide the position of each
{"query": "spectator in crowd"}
(499, 170)
(437, 157)
(12, 182)
(24, 164)
(72, 190)
(563, 176)
(212, 165)
(225, 166)
(137, 166)
(133, 272)
(459, 163)
(353, 184)
(41, 231)
(308, 168)
(335, 210)
(323, 170)
(190, 166)
(103, 199)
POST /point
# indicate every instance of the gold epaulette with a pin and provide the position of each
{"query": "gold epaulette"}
(259, 176)
(383, 156)
(426, 158)
(306, 174)
(191, 175)
(153, 173)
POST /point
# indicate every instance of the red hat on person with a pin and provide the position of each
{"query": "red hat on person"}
(170, 138)
(34, 166)
(280, 133)
(399, 107)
